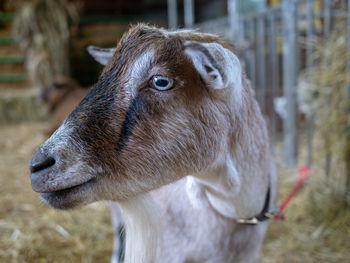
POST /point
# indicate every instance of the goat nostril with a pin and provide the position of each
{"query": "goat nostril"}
(41, 164)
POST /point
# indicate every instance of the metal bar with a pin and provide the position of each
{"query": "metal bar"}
(309, 68)
(327, 19)
(326, 32)
(189, 13)
(297, 68)
(251, 54)
(172, 14)
(261, 61)
(232, 6)
(248, 49)
(297, 42)
(289, 83)
(241, 31)
(273, 61)
(309, 36)
(245, 51)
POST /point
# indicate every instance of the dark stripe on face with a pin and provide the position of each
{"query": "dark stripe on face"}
(136, 113)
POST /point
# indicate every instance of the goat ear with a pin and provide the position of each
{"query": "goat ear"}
(218, 66)
(101, 55)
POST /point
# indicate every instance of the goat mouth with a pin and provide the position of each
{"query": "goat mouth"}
(70, 188)
(69, 197)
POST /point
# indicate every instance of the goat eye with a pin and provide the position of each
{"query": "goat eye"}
(162, 83)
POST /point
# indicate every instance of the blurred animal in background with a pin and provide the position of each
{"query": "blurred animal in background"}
(62, 96)
(173, 133)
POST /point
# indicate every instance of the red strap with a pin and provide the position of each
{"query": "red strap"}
(304, 171)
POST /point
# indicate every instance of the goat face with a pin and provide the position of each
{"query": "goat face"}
(156, 114)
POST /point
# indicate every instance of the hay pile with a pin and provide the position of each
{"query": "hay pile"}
(317, 228)
(326, 99)
(42, 29)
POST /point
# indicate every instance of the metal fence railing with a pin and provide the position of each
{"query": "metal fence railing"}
(277, 45)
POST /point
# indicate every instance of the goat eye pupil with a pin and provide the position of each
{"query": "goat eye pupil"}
(161, 82)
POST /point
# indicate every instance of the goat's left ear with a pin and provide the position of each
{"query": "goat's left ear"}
(101, 55)
(218, 66)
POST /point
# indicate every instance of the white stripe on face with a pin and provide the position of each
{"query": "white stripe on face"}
(139, 69)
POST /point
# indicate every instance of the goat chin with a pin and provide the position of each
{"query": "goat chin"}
(142, 227)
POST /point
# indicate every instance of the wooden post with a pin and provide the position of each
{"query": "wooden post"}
(189, 13)
(172, 14)
(289, 83)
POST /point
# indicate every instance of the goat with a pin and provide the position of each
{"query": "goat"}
(173, 133)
